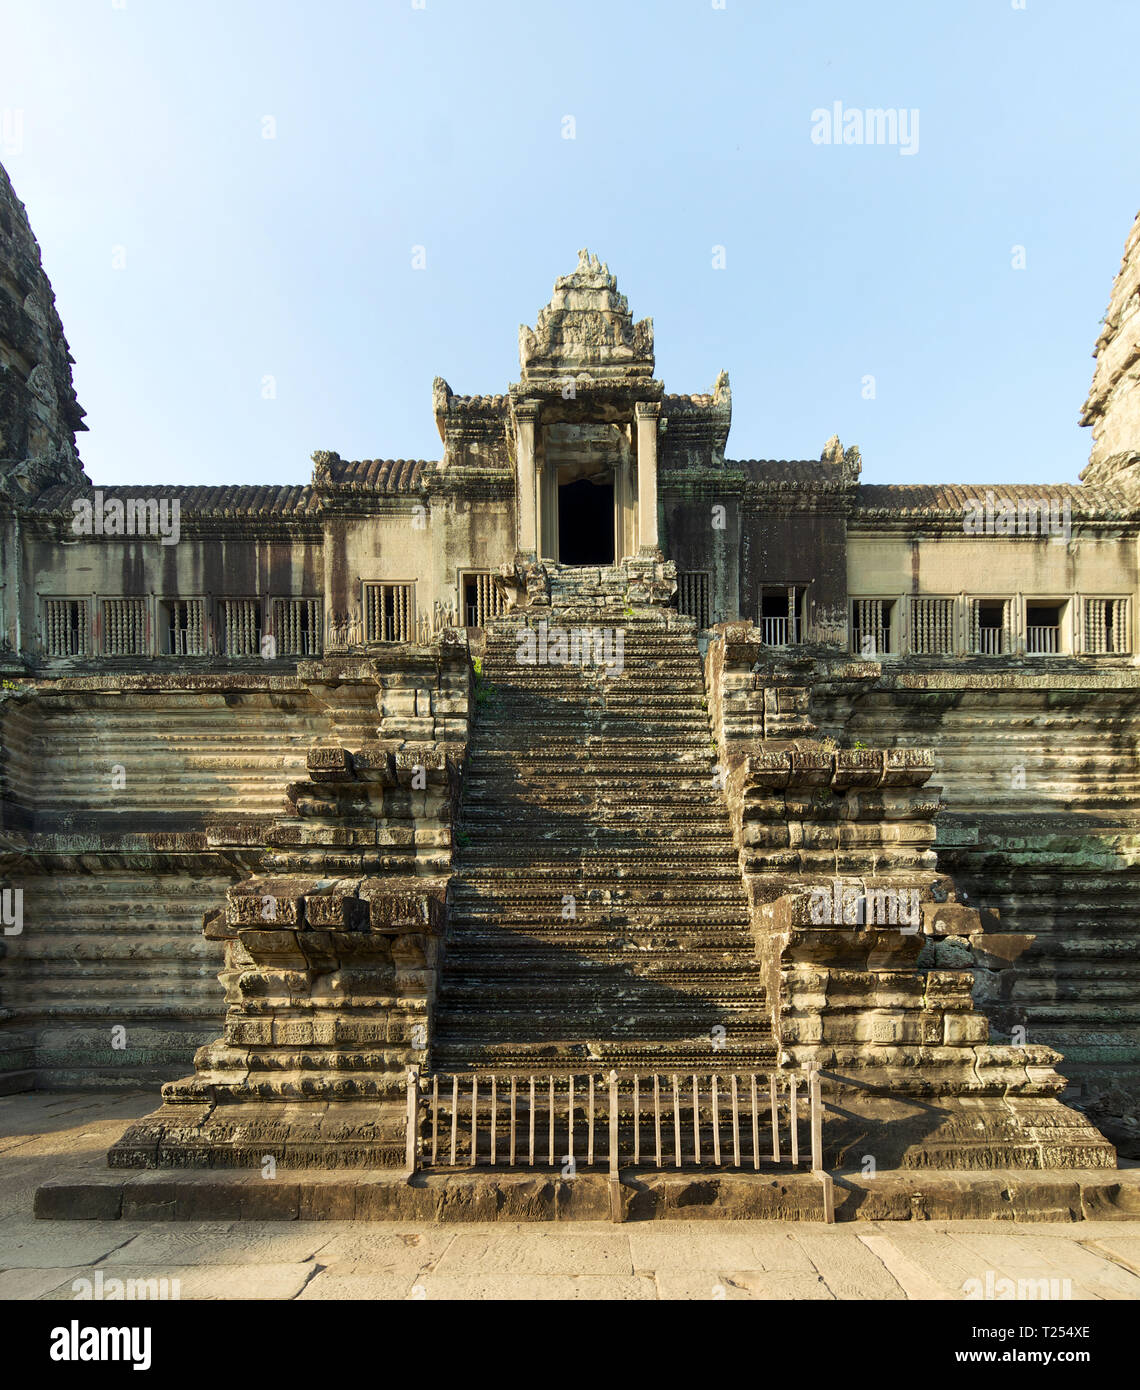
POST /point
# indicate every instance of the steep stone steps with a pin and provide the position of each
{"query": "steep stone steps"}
(601, 869)
(597, 788)
(661, 1054)
(684, 792)
(518, 998)
(687, 919)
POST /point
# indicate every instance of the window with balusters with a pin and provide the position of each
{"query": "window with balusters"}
(1044, 630)
(182, 627)
(693, 595)
(389, 612)
(990, 629)
(932, 626)
(125, 627)
(871, 626)
(482, 599)
(297, 626)
(239, 621)
(781, 608)
(66, 631)
(1106, 626)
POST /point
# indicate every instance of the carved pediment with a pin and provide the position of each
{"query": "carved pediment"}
(586, 327)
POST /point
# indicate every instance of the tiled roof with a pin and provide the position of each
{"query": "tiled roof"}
(236, 500)
(956, 498)
(379, 475)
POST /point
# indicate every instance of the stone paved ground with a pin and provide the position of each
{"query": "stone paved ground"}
(45, 1133)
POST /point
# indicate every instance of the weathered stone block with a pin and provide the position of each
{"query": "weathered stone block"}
(341, 910)
(949, 919)
(961, 1030)
(329, 763)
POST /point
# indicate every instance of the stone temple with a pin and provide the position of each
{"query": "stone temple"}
(581, 749)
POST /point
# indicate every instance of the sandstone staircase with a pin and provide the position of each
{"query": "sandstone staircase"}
(598, 918)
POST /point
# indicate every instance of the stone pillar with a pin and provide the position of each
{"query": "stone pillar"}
(547, 486)
(646, 414)
(526, 421)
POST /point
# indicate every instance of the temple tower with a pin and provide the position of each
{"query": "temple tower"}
(1113, 405)
(39, 414)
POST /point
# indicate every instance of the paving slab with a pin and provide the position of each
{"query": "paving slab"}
(205, 1282)
(716, 1245)
(725, 1285)
(1122, 1248)
(26, 1243)
(32, 1283)
(571, 1255)
(780, 1285)
(1008, 1255)
(942, 1255)
(349, 1285)
(379, 1247)
(848, 1268)
(1091, 1269)
(700, 1286)
(530, 1286)
(912, 1276)
(235, 1243)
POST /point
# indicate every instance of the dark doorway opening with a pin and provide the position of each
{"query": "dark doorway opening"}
(586, 523)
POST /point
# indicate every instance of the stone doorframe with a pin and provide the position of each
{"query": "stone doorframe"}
(635, 487)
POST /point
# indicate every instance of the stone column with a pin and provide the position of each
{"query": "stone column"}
(541, 527)
(526, 420)
(646, 414)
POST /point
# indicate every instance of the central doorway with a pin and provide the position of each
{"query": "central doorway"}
(586, 523)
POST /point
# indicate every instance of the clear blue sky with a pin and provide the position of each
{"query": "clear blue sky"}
(141, 127)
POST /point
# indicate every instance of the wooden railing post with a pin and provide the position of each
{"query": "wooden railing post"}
(613, 1080)
(615, 1179)
(816, 1121)
(411, 1153)
(817, 1147)
(434, 1118)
